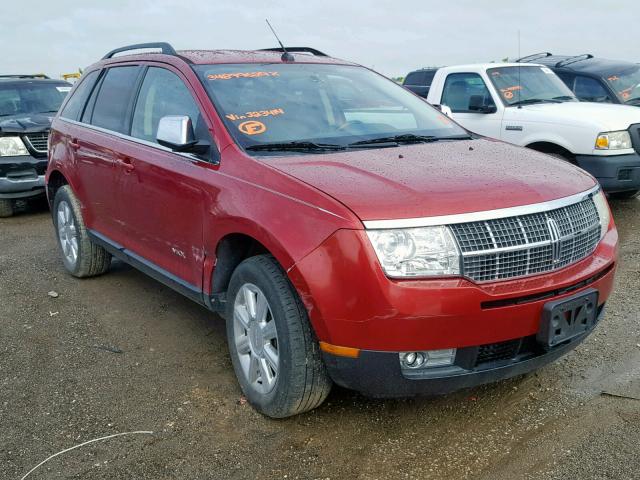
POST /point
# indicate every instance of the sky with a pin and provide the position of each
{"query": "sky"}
(391, 37)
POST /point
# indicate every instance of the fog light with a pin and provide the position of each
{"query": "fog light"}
(427, 359)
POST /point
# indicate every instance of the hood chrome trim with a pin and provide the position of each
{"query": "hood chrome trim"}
(481, 216)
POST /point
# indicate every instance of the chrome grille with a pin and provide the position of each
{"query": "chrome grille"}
(528, 244)
(38, 141)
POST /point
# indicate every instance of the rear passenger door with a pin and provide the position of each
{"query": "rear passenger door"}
(97, 143)
(161, 192)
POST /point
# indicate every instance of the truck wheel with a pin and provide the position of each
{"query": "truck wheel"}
(273, 349)
(6, 208)
(624, 195)
(81, 257)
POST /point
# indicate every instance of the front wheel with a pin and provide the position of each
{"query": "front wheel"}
(274, 353)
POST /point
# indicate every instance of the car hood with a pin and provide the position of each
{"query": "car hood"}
(607, 117)
(37, 122)
(442, 178)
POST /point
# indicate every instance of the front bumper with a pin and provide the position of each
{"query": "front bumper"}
(378, 374)
(22, 176)
(616, 173)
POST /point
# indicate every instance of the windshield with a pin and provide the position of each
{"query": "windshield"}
(626, 84)
(331, 106)
(521, 85)
(17, 98)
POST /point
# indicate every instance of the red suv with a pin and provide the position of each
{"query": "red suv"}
(346, 230)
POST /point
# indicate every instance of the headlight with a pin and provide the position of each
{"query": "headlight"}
(603, 211)
(12, 146)
(416, 252)
(613, 140)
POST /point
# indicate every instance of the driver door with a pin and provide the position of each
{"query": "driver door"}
(472, 105)
(162, 193)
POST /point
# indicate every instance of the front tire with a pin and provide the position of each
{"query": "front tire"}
(81, 257)
(6, 207)
(274, 352)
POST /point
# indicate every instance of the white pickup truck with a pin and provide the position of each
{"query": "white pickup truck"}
(529, 105)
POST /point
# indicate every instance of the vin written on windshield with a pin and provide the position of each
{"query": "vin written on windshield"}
(293, 107)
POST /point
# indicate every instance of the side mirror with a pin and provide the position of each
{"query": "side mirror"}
(176, 132)
(477, 104)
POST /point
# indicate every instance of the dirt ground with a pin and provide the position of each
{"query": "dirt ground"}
(122, 353)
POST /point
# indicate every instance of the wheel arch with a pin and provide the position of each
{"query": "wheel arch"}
(56, 180)
(237, 245)
(552, 148)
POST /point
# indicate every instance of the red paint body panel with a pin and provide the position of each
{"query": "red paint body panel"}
(441, 178)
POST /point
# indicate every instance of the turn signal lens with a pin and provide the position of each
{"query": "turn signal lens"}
(340, 351)
(602, 142)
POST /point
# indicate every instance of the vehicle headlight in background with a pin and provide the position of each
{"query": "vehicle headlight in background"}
(603, 211)
(613, 140)
(12, 146)
(416, 252)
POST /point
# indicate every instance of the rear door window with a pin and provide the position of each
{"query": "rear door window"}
(73, 108)
(113, 103)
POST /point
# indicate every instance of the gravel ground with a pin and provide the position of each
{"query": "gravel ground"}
(122, 353)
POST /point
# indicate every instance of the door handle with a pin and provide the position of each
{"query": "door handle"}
(126, 163)
(73, 143)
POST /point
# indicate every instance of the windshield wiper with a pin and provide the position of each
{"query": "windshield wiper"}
(633, 100)
(49, 111)
(404, 139)
(564, 97)
(294, 146)
(530, 101)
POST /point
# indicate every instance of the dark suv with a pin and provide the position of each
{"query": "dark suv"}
(27, 106)
(594, 79)
(419, 81)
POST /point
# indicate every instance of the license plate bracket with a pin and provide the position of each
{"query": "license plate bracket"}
(568, 318)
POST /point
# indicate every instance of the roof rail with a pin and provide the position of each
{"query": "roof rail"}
(27, 75)
(535, 56)
(310, 50)
(574, 59)
(163, 46)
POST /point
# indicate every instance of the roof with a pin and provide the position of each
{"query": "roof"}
(485, 66)
(208, 57)
(584, 63)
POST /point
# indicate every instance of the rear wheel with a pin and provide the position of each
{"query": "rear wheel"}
(274, 353)
(6, 207)
(81, 257)
(624, 195)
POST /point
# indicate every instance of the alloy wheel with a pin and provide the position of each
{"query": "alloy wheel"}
(67, 233)
(256, 338)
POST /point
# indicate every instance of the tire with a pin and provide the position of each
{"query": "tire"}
(300, 382)
(6, 207)
(624, 195)
(89, 259)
